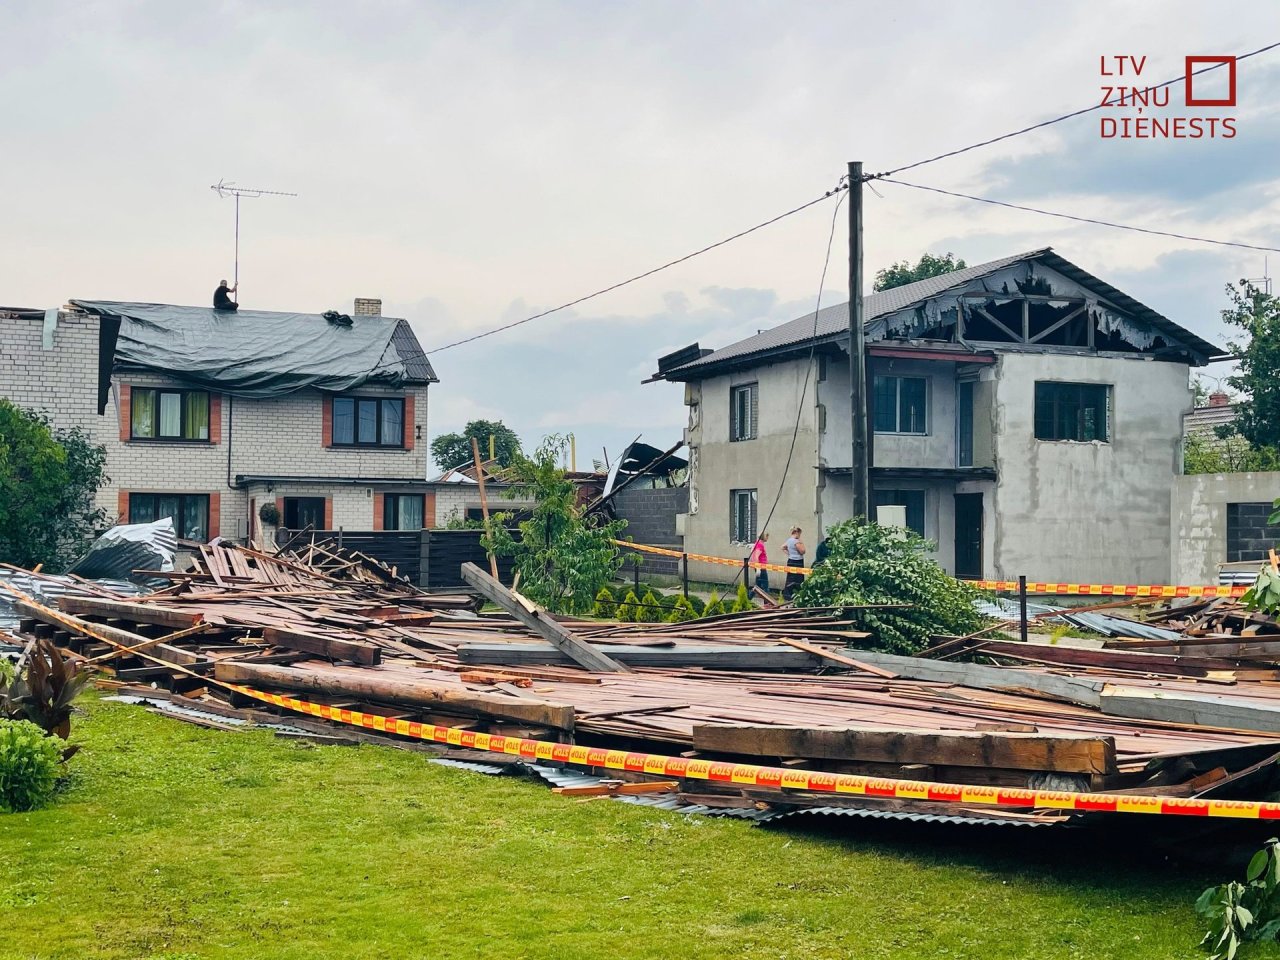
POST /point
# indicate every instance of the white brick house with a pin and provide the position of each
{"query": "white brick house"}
(206, 416)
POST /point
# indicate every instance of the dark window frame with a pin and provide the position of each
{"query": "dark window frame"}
(180, 521)
(914, 500)
(377, 443)
(184, 395)
(293, 504)
(736, 533)
(896, 413)
(391, 510)
(1056, 403)
(747, 410)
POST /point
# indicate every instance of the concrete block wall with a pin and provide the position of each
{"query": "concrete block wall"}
(1201, 520)
(1249, 535)
(651, 519)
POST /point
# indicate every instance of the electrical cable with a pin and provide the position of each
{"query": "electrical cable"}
(804, 387)
(840, 187)
(1092, 220)
(1065, 116)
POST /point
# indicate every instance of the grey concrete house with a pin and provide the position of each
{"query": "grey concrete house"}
(1026, 414)
(206, 416)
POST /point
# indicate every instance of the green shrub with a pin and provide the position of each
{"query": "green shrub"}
(604, 606)
(871, 564)
(627, 610)
(683, 611)
(742, 603)
(649, 610)
(28, 766)
(6, 672)
(714, 607)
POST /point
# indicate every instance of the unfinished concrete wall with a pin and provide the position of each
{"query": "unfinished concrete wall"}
(651, 519)
(718, 465)
(1093, 512)
(1198, 529)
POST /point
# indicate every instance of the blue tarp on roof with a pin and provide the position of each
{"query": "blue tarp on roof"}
(259, 353)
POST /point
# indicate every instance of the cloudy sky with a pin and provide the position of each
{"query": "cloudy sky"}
(472, 164)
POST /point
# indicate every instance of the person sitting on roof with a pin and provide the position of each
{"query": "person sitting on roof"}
(222, 297)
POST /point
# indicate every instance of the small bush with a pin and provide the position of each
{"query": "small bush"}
(649, 610)
(604, 606)
(742, 603)
(628, 609)
(714, 607)
(28, 766)
(6, 672)
(683, 611)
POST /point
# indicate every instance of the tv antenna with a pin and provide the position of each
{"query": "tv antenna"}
(1263, 282)
(229, 188)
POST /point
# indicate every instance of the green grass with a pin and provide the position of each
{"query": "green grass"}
(173, 841)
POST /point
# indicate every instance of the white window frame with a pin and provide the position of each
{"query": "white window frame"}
(751, 391)
(736, 497)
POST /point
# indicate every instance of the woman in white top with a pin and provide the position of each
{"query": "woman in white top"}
(794, 549)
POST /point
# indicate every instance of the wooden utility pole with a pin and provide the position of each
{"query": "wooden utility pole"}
(484, 502)
(861, 473)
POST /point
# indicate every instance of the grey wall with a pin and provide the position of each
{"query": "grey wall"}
(651, 518)
(1200, 521)
(1087, 512)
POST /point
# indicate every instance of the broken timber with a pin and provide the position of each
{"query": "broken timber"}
(1020, 751)
(332, 647)
(536, 619)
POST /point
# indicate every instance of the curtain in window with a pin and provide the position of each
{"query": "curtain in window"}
(142, 413)
(142, 508)
(195, 518)
(344, 420)
(392, 423)
(170, 414)
(196, 426)
(410, 512)
(367, 421)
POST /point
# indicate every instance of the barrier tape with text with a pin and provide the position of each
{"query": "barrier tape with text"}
(1153, 590)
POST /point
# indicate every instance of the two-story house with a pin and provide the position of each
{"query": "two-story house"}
(207, 415)
(1026, 414)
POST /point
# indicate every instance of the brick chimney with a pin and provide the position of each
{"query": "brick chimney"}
(368, 307)
(1219, 399)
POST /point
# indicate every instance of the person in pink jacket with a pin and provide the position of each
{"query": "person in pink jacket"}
(760, 555)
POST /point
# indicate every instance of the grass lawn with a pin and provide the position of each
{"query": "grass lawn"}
(173, 841)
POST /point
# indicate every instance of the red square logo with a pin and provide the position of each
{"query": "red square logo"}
(1230, 99)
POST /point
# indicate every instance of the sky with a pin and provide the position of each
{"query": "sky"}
(473, 164)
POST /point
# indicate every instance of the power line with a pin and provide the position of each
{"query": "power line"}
(1092, 220)
(1065, 116)
(804, 388)
(648, 273)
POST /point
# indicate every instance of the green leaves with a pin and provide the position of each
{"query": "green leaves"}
(44, 691)
(1256, 314)
(28, 766)
(871, 564)
(1248, 912)
(1264, 595)
(450, 450)
(928, 266)
(48, 479)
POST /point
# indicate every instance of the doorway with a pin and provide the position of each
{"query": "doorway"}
(969, 536)
(300, 512)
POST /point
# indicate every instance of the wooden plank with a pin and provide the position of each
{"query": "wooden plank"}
(417, 692)
(616, 788)
(834, 657)
(332, 647)
(1233, 713)
(1194, 666)
(484, 502)
(136, 612)
(1073, 689)
(678, 655)
(1020, 751)
(581, 652)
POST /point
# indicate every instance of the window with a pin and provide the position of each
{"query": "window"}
(189, 512)
(1072, 411)
(964, 423)
(742, 516)
(303, 512)
(744, 410)
(900, 404)
(913, 500)
(402, 511)
(168, 414)
(368, 422)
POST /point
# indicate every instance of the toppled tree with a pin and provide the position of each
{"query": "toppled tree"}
(900, 274)
(871, 564)
(563, 557)
(48, 478)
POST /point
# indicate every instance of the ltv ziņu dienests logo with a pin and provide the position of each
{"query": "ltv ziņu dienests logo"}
(1138, 107)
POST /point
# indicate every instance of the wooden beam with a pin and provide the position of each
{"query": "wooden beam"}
(484, 503)
(419, 692)
(834, 657)
(136, 612)
(1019, 751)
(616, 788)
(126, 638)
(1205, 710)
(755, 657)
(354, 650)
(537, 620)
(1072, 689)
(1065, 320)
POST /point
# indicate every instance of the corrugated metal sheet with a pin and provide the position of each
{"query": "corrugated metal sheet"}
(915, 817)
(1119, 627)
(47, 590)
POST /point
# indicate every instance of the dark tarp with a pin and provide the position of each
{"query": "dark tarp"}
(254, 353)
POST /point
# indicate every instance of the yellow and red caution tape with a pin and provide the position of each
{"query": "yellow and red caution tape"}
(1153, 590)
(778, 778)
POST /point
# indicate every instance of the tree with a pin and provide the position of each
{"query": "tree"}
(48, 478)
(929, 266)
(563, 556)
(1228, 454)
(451, 450)
(1257, 315)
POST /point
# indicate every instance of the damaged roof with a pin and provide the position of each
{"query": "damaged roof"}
(262, 353)
(833, 322)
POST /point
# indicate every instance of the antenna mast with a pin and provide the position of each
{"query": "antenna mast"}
(225, 188)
